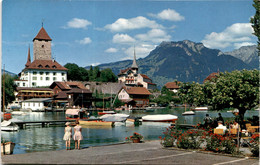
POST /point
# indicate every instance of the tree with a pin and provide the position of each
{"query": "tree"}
(107, 75)
(256, 22)
(236, 89)
(9, 88)
(76, 73)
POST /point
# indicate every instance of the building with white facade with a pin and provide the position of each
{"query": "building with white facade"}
(44, 70)
(131, 77)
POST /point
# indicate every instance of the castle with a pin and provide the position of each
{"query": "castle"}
(44, 70)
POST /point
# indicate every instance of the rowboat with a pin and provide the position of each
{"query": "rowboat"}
(160, 118)
(95, 122)
(200, 109)
(7, 148)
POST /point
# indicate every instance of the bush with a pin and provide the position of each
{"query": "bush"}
(170, 137)
(190, 139)
(254, 145)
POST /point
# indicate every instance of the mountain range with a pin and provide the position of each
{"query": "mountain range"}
(188, 61)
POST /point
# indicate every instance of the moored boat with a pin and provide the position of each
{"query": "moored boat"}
(160, 118)
(200, 109)
(95, 122)
(9, 126)
(106, 112)
(188, 113)
(75, 114)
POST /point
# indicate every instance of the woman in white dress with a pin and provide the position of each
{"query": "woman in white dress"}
(67, 135)
(77, 135)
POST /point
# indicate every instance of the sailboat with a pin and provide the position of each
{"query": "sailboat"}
(188, 112)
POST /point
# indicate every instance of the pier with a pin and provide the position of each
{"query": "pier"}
(23, 124)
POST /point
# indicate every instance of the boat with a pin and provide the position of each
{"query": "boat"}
(188, 113)
(18, 113)
(149, 109)
(160, 118)
(114, 117)
(7, 125)
(200, 109)
(15, 105)
(233, 111)
(106, 112)
(95, 122)
(75, 114)
(7, 148)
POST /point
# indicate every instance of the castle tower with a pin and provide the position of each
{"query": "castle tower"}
(134, 65)
(42, 46)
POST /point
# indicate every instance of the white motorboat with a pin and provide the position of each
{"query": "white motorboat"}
(160, 118)
(188, 113)
(115, 117)
(9, 126)
(200, 109)
(18, 113)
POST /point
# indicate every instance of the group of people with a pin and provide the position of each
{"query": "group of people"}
(77, 137)
(218, 123)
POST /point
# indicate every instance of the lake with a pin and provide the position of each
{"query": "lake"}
(36, 138)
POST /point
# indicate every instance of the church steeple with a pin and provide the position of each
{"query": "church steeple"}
(134, 65)
(28, 58)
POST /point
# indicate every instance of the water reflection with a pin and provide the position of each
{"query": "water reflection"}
(33, 139)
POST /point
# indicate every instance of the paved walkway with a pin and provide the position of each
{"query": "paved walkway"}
(150, 152)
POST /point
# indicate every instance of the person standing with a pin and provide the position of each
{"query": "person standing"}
(67, 135)
(77, 135)
(220, 118)
(207, 121)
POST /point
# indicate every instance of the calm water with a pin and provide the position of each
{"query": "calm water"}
(36, 138)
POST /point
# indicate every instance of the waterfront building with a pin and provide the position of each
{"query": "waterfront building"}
(44, 70)
(131, 77)
(172, 86)
(24, 93)
(36, 104)
(134, 96)
(71, 93)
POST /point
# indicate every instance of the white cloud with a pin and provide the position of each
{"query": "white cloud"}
(123, 24)
(168, 14)
(111, 50)
(233, 35)
(78, 23)
(238, 45)
(141, 51)
(154, 35)
(123, 39)
(85, 41)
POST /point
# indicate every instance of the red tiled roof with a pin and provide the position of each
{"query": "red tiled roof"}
(144, 76)
(45, 65)
(211, 76)
(42, 35)
(137, 90)
(172, 85)
(67, 85)
(123, 71)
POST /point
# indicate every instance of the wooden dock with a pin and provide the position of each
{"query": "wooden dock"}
(23, 124)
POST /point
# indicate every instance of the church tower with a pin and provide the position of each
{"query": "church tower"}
(42, 46)
(134, 65)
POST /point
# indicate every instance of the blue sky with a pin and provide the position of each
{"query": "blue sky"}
(89, 32)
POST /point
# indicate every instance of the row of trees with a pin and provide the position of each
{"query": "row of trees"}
(76, 73)
(8, 86)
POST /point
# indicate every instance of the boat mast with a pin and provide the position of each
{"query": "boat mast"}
(4, 90)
